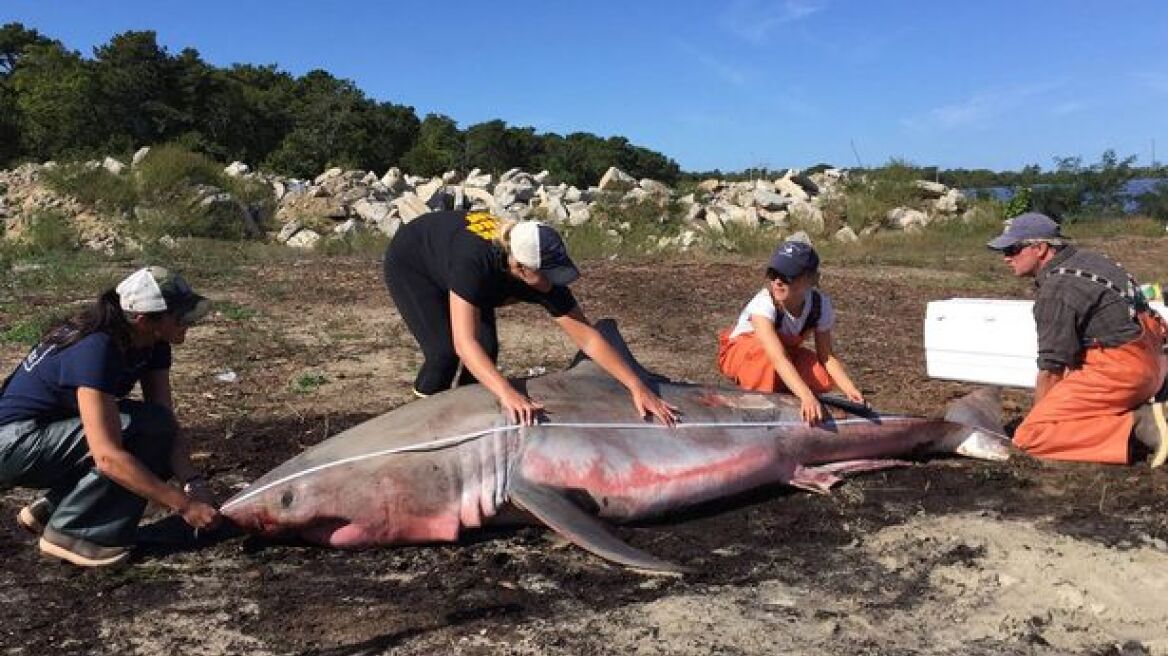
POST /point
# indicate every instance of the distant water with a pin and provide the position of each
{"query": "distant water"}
(1132, 190)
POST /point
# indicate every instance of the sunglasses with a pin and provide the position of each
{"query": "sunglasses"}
(1014, 249)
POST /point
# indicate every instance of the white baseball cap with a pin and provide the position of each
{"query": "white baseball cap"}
(537, 245)
(154, 289)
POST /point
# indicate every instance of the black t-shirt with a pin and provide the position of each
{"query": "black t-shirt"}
(456, 251)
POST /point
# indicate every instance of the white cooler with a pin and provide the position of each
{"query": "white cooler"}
(984, 340)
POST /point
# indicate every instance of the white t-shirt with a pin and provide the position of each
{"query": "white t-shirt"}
(763, 305)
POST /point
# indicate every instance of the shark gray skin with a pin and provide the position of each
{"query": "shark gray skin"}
(435, 467)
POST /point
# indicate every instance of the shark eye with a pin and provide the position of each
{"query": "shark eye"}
(286, 498)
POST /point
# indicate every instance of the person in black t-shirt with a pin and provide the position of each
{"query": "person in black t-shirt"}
(66, 424)
(447, 273)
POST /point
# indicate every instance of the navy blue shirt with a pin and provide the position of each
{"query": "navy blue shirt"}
(44, 385)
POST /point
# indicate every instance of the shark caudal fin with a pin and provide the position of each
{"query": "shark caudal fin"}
(608, 329)
(582, 529)
(978, 431)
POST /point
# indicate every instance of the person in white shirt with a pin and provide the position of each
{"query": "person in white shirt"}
(763, 351)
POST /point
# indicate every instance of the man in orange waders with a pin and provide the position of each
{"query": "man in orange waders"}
(1101, 351)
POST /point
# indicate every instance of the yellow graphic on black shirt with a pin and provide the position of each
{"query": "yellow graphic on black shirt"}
(483, 224)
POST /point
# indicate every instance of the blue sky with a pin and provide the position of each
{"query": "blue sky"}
(721, 84)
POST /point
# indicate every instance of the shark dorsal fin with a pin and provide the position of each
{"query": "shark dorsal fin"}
(608, 329)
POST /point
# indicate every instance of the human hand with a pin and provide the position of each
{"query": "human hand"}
(855, 396)
(649, 403)
(199, 515)
(810, 410)
(520, 409)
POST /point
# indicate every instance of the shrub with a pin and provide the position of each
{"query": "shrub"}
(358, 242)
(93, 186)
(308, 382)
(49, 232)
(175, 191)
(1020, 203)
(871, 196)
(1154, 203)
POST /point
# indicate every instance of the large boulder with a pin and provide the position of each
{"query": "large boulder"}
(615, 180)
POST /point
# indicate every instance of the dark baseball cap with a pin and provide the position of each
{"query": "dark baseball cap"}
(537, 245)
(794, 258)
(1030, 226)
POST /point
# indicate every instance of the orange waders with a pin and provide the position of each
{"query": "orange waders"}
(743, 360)
(1087, 416)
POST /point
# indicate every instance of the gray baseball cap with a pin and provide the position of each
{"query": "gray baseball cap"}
(1030, 226)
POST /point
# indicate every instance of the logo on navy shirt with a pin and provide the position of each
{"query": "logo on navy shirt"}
(36, 355)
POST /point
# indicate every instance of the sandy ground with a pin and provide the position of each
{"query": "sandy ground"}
(946, 557)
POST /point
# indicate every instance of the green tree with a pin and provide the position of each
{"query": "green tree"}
(439, 147)
(15, 38)
(138, 96)
(55, 101)
(336, 125)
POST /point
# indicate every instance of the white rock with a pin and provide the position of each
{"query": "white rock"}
(306, 239)
(710, 185)
(371, 211)
(451, 177)
(477, 178)
(931, 189)
(393, 180)
(655, 188)
(112, 165)
(578, 213)
(556, 211)
(427, 190)
(480, 198)
(788, 187)
(616, 180)
(288, 231)
(906, 218)
(350, 227)
(846, 235)
(806, 216)
(410, 207)
(769, 200)
(139, 155)
(334, 172)
(801, 236)
(389, 225)
(236, 169)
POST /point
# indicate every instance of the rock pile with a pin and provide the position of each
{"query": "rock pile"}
(341, 202)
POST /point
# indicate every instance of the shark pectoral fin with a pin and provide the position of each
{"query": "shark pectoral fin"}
(821, 478)
(583, 530)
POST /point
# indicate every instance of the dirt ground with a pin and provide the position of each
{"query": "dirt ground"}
(947, 557)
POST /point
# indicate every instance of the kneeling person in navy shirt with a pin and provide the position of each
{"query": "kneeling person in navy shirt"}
(66, 425)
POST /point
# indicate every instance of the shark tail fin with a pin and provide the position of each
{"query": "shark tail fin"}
(976, 426)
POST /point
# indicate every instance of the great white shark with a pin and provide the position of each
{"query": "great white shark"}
(430, 469)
